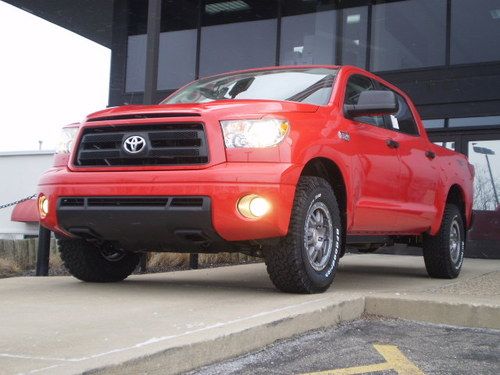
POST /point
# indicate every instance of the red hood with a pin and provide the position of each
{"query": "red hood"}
(234, 107)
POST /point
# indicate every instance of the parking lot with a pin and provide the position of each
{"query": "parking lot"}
(374, 346)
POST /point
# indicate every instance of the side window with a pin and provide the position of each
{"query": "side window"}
(355, 85)
(401, 121)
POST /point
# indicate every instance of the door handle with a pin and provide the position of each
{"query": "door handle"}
(430, 154)
(391, 143)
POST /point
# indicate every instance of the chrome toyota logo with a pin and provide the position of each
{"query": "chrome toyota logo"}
(134, 144)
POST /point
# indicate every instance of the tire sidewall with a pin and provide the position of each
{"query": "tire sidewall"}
(322, 279)
(456, 266)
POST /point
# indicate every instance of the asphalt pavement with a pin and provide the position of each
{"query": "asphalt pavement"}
(362, 345)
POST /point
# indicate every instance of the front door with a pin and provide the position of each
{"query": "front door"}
(378, 195)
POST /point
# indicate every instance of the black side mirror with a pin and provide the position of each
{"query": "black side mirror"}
(373, 103)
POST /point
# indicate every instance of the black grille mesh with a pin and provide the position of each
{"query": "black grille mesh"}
(167, 144)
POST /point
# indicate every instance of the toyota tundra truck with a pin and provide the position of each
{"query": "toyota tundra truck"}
(292, 164)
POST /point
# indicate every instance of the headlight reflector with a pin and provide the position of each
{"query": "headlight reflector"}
(66, 139)
(253, 206)
(43, 206)
(260, 133)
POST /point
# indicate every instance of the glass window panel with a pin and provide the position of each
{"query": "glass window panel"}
(136, 63)
(485, 156)
(308, 38)
(448, 145)
(475, 31)
(408, 34)
(237, 36)
(433, 124)
(355, 29)
(403, 121)
(177, 59)
(135, 74)
(474, 121)
(355, 86)
(178, 37)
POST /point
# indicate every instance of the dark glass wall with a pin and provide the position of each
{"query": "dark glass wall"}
(430, 48)
(237, 35)
(408, 35)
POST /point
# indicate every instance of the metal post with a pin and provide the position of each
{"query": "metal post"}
(143, 265)
(492, 180)
(193, 261)
(42, 258)
(152, 46)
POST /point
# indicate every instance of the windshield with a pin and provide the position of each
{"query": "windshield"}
(306, 85)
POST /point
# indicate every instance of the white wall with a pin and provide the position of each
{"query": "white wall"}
(19, 173)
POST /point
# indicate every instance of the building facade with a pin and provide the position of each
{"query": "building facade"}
(444, 53)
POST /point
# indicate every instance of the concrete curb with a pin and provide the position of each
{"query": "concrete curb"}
(440, 309)
(189, 357)
(436, 309)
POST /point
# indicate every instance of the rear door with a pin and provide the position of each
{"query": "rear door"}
(419, 175)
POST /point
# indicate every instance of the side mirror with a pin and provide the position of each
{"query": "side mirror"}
(373, 103)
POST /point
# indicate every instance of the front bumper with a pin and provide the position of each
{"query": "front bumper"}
(221, 186)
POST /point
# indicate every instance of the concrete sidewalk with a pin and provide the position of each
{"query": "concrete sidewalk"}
(172, 322)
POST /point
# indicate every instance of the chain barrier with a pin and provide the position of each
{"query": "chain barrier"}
(18, 201)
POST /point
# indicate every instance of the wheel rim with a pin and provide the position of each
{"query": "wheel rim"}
(455, 241)
(318, 236)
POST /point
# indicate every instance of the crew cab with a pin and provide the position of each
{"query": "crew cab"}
(292, 164)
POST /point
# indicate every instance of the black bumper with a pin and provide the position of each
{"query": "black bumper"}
(178, 224)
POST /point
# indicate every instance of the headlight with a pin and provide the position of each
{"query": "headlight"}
(266, 132)
(66, 139)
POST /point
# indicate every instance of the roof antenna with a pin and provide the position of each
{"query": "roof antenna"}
(40, 145)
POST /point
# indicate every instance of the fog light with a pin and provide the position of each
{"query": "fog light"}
(253, 206)
(43, 206)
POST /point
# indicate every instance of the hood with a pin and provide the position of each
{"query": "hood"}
(234, 107)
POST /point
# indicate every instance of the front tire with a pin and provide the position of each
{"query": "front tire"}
(99, 264)
(305, 261)
(444, 252)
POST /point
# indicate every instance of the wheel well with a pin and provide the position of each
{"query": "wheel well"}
(327, 169)
(456, 196)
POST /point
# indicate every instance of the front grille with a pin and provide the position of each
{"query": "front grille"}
(132, 202)
(166, 144)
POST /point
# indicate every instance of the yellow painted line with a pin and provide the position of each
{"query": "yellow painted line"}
(394, 360)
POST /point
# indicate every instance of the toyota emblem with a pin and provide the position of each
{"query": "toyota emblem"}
(134, 144)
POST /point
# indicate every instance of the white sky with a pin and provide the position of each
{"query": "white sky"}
(49, 77)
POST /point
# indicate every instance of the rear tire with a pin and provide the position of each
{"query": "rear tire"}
(305, 261)
(444, 252)
(91, 263)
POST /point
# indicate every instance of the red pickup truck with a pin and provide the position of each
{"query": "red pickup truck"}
(289, 163)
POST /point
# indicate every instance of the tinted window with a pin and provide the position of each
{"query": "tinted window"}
(308, 33)
(355, 29)
(473, 121)
(136, 63)
(355, 86)
(135, 74)
(475, 31)
(177, 52)
(449, 145)
(409, 34)
(237, 36)
(433, 124)
(403, 120)
(177, 49)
